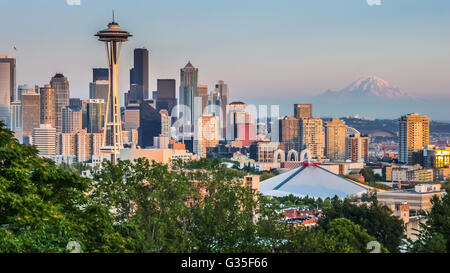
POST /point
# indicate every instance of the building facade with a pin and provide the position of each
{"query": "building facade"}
(414, 135)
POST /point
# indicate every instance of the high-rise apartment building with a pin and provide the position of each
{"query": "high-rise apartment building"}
(62, 95)
(208, 134)
(312, 136)
(414, 135)
(335, 137)
(7, 87)
(303, 111)
(48, 105)
(357, 147)
(189, 90)
(44, 138)
(31, 110)
(166, 124)
(289, 134)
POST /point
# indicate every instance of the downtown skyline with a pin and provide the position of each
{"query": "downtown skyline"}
(283, 50)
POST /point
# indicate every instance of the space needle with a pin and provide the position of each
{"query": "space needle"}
(113, 37)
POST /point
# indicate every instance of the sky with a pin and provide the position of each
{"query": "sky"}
(267, 51)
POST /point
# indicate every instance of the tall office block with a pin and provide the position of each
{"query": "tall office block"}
(7, 87)
(100, 74)
(335, 137)
(131, 117)
(414, 135)
(203, 94)
(139, 75)
(150, 124)
(48, 105)
(21, 89)
(303, 111)
(16, 116)
(224, 93)
(95, 117)
(62, 96)
(31, 110)
(98, 90)
(166, 94)
(312, 136)
(76, 103)
(72, 119)
(188, 90)
(44, 138)
(289, 134)
(113, 37)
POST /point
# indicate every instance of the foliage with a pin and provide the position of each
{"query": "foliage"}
(293, 201)
(43, 207)
(376, 219)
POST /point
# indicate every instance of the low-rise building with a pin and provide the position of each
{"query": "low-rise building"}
(418, 199)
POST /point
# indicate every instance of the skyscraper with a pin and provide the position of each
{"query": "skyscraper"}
(208, 136)
(150, 124)
(113, 37)
(95, 116)
(62, 96)
(44, 138)
(224, 93)
(203, 93)
(24, 89)
(7, 87)
(312, 136)
(188, 90)
(72, 119)
(414, 135)
(131, 117)
(98, 90)
(166, 97)
(100, 74)
(289, 134)
(166, 124)
(31, 110)
(357, 147)
(16, 116)
(335, 137)
(48, 105)
(139, 75)
(303, 111)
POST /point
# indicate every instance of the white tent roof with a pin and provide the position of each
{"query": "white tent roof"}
(313, 181)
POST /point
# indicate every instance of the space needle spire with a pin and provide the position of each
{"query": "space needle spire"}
(113, 37)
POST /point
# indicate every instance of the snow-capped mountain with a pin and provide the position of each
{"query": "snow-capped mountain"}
(368, 87)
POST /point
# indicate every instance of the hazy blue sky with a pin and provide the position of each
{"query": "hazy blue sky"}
(279, 50)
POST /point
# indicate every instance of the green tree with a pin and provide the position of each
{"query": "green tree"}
(44, 207)
(376, 219)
